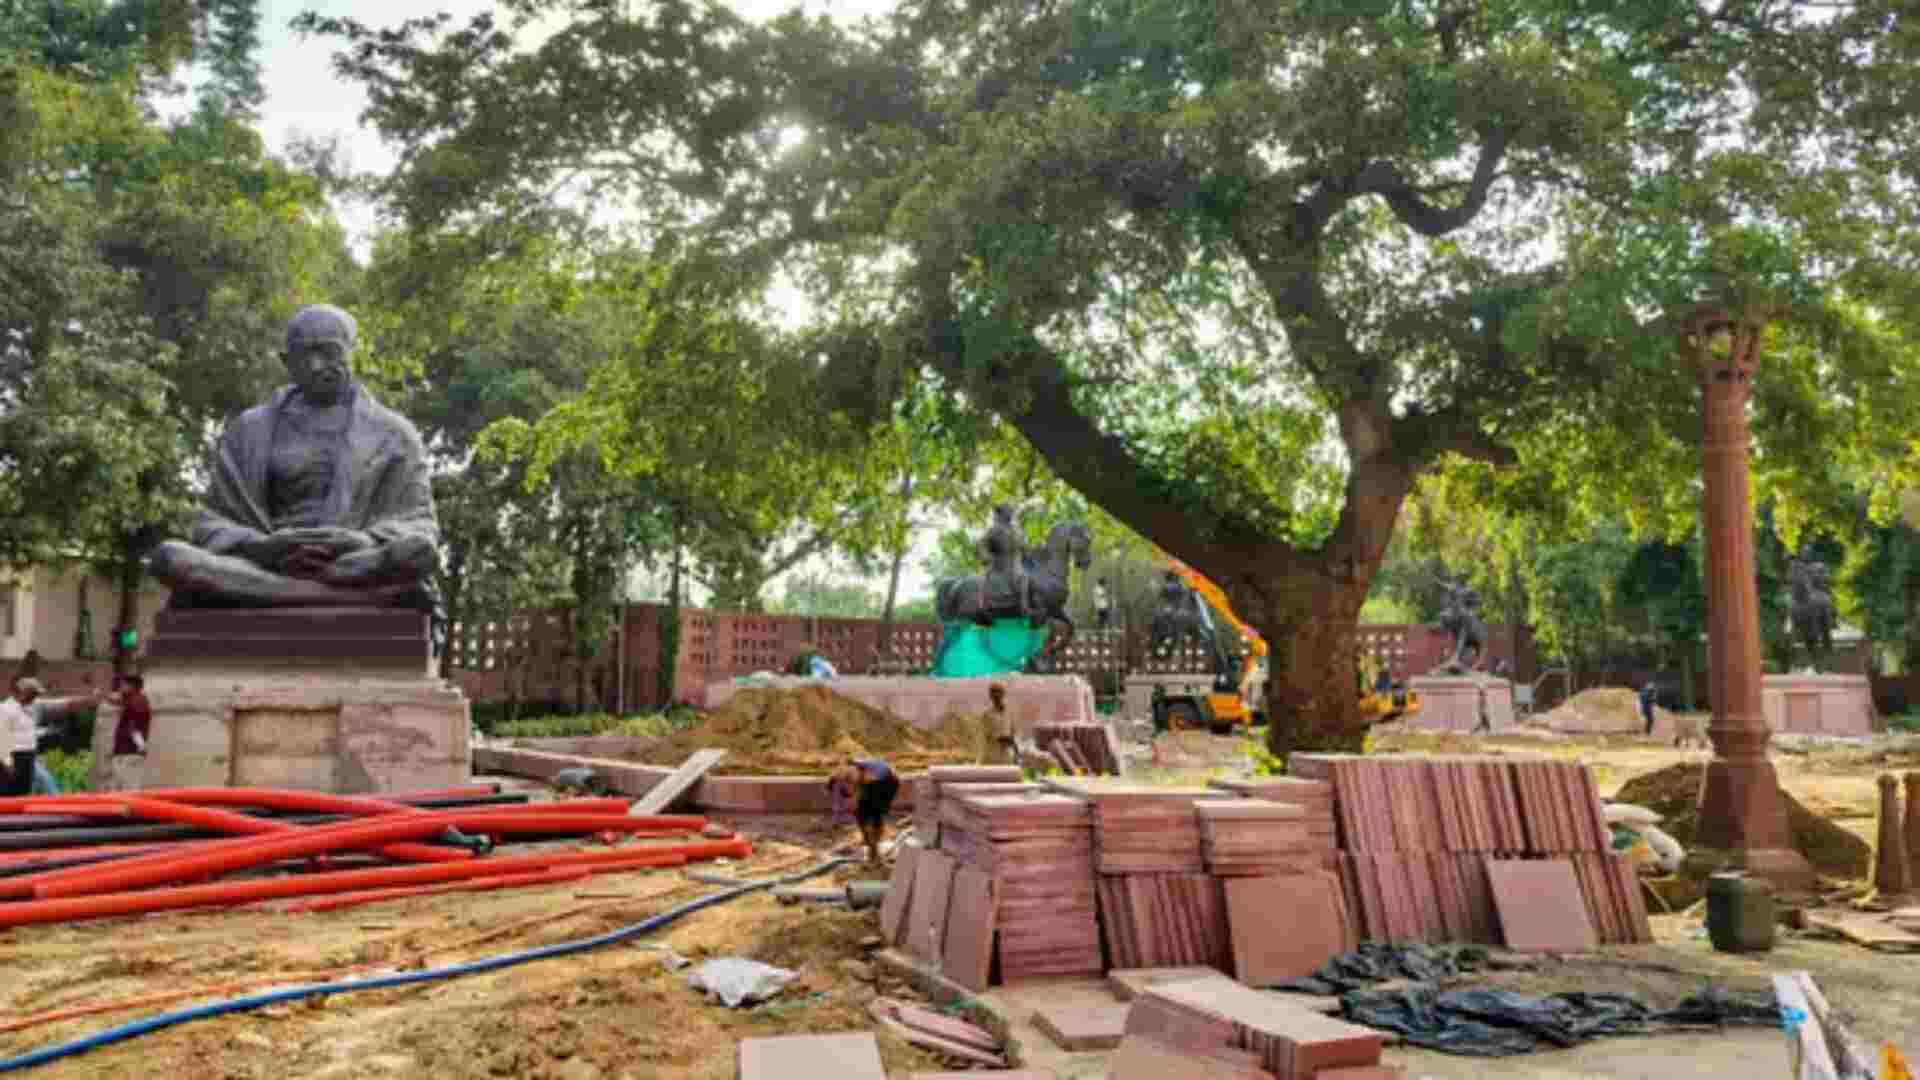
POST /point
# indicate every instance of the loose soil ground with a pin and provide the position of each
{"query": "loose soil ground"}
(619, 1012)
(811, 730)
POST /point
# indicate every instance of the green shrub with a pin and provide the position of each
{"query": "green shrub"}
(1907, 721)
(69, 768)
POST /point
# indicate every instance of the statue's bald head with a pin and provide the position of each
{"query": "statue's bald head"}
(319, 342)
(318, 323)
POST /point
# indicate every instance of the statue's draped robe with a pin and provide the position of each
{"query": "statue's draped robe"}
(381, 484)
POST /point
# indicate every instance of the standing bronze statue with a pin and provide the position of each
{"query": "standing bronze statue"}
(1460, 620)
(319, 497)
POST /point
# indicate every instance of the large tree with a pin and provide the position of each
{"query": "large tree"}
(1182, 246)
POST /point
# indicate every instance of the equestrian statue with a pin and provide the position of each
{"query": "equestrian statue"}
(1022, 594)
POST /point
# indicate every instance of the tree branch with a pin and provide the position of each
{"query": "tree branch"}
(1403, 198)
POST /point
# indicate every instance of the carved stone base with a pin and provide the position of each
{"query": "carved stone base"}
(1452, 702)
(1818, 704)
(1743, 825)
(340, 703)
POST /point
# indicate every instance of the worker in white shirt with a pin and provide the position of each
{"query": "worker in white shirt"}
(22, 735)
(21, 718)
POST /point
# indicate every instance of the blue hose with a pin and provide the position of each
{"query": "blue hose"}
(383, 982)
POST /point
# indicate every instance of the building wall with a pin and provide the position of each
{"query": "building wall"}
(45, 604)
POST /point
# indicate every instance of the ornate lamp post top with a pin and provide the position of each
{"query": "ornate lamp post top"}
(1724, 345)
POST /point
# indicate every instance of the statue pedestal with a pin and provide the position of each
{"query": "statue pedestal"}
(1818, 704)
(317, 699)
(1452, 702)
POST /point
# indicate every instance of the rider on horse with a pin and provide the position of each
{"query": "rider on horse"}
(1002, 549)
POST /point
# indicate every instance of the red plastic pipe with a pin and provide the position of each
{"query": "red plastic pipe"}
(223, 856)
(322, 803)
(226, 821)
(15, 804)
(239, 892)
(479, 884)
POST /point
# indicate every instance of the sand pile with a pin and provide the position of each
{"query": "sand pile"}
(810, 729)
(1674, 794)
(1610, 710)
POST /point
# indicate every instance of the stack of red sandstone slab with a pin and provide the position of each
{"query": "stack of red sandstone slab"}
(1313, 797)
(1416, 833)
(1143, 829)
(1039, 850)
(926, 793)
(1164, 920)
(1243, 1032)
(1090, 747)
(1253, 837)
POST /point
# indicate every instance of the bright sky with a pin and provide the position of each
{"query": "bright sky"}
(306, 98)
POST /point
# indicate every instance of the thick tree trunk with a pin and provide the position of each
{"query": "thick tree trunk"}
(1312, 630)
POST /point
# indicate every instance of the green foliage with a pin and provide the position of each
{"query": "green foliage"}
(818, 594)
(70, 770)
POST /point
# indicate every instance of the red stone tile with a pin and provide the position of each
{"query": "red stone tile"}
(1314, 929)
(1129, 983)
(1540, 906)
(967, 957)
(893, 909)
(1081, 1028)
(927, 919)
(850, 1056)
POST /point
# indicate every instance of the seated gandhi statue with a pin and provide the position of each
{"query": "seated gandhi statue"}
(319, 497)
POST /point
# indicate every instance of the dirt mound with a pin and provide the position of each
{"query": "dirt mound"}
(1602, 710)
(810, 729)
(1674, 794)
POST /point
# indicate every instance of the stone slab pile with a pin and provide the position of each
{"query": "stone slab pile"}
(1416, 835)
(1253, 837)
(927, 786)
(1238, 1032)
(1314, 798)
(1038, 850)
(1090, 748)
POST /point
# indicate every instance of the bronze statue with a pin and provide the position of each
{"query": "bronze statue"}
(1040, 593)
(1002, 549)
(1811, 609)
(319, 497)
(1459, 619)
(1177, 619)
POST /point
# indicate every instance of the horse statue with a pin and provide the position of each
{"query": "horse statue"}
(1177, 620)
(1458, 619)
(1034, 587)
(1811, 607)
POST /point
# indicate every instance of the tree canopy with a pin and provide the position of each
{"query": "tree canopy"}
(1181, 247)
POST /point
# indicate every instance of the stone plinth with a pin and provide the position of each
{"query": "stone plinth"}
(1818, 704)
(335, 700)
(923, 701)
(1452, 702)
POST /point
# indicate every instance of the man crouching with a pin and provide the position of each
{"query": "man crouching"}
(874, 787)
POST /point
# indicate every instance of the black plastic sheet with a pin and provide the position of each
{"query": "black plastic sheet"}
(1486, 1022)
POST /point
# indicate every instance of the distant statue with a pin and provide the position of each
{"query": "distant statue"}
(1020, 584)
(319, 497)
(1176, 619)
(1811, 606)
(1460, 620)
(1003, 552)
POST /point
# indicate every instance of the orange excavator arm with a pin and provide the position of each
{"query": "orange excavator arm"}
(1217, 601)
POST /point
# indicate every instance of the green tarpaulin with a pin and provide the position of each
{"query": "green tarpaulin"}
(968, 649)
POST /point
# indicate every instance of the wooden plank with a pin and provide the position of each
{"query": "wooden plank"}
(1870, 930)
(678, 783)
(1851, 1057)
(1806, 1040)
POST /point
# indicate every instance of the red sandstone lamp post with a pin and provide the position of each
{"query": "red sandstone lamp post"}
(1743, 822)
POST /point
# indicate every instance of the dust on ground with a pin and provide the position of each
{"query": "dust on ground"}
(616, 1011)
(1674, 794)
(1601, 710)
(810, 730)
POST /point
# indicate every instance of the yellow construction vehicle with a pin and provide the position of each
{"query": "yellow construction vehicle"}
(1226, 706)
(1380, 700)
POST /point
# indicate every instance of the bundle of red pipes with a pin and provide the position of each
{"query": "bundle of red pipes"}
(141, 878)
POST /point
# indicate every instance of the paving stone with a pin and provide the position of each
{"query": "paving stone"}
(1081, 1028)
(848, 1056)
